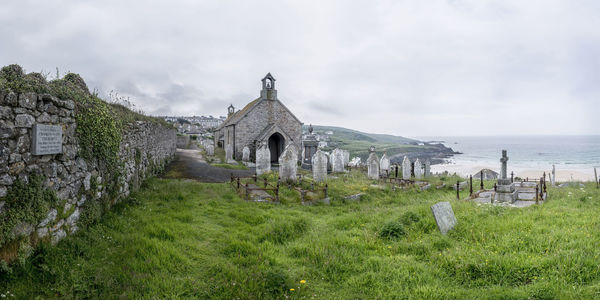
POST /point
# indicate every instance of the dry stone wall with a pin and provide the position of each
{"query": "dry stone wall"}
(145, 148)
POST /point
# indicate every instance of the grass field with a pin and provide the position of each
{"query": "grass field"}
(183, 239)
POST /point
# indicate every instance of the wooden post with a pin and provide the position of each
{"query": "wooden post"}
(247, 193)
(495, 187)
(512, 177)
(457, 190)
(277, 192)
(238, 183)
(541, 190)
(536, 194)
(302, 194)
(255, 178)
(231, 178)
(481, 178)
(470, 185)
(265, 183)
(326, 190)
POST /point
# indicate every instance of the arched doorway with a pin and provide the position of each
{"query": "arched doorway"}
(276, 143)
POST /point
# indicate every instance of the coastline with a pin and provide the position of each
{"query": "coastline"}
(563, 173)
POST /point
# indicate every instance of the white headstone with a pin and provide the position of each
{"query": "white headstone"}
(319, 166)
(444, 216)
(210, 150)
(418, 169)
(355, 162)
(346, 157)
(246, 154)
(553, 179)
(427, 168)
(406, 168)
(229, 153)
(337, 160)
(384, 164)
(263, 159)
(288, 163)
(373, 166)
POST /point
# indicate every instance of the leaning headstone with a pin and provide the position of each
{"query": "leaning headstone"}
(288, 163)
(346, 157)
(384, 165)
(246, 154)
(444, 216)
(418, 169)
(373, 164)
(210, 150)
(263, 159)
(229, 153)
(427, 168)
(337, 160)
(406, 168)
(319, 166)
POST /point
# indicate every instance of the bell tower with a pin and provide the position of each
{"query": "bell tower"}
(230, 110)
(268, 91)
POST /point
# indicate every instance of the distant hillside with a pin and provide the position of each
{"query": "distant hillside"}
(396, 147)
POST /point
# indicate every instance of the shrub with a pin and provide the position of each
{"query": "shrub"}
(392, 230)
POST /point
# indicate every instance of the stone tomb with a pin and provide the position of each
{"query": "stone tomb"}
(263, 159)
(505, 190)
(444, 216)
(288, 163)
(46, 139)
(319, 166)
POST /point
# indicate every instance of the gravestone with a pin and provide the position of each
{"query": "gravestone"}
(263, 159)
(427, 168)
(246, 154)
(373, 164)
(418, 169)
(229, 153)
(406, 168)
(46, 139)
(288, 163)
(553, 179)
(337, 160)
(444, 216)
(384, 165)
(505, 190)
(319, 166)
(210, 150)
(346, 157)
(355, 162)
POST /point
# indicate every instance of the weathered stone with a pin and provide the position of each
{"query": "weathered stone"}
(42, 232)
(246, 154)
(3, 191)
(5, 112)
(7, 129)
(319, 166)
(49, 218)
(28, 100)
(444, 216)
(15, 157)
(6, 179)
(44, 118)
(355, 162)
(210, 150)
(229, 153)
(57, 236)
(288, 163)
(22, 229)
(427, 169)
(373, 166)
(553, 178)
(23, 143)
(337, 160)
(405, 168)
(418, 169)
(72, 219)
(16, 168)
(263, 159)
(384, 165)
(346, 157)
(87, 182)
(10, 99)
(24, 120)
(505, 191)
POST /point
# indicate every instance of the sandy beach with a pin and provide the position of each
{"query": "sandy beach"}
(562, 174)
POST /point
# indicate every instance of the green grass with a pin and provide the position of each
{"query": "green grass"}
(184, 239)
(238, 166)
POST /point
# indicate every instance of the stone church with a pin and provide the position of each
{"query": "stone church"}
(264, 120)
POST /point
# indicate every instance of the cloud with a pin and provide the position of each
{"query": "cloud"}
(403, 67)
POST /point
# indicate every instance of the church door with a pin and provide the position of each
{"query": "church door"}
(276, 144)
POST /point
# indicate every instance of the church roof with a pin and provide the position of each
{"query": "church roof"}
(237, 116)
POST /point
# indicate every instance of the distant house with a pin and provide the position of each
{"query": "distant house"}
(264, 120)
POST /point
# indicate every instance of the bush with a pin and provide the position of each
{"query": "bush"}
(392, 230)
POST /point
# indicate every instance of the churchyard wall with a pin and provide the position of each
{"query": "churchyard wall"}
(45, 197)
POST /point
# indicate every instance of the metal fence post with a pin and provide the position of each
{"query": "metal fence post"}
(481, 178)
(470, 185)
(457, 190)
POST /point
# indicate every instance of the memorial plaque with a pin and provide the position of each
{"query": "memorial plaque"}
(444, 216)
(46, 139)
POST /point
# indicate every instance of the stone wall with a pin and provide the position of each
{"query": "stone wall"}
(145, 148)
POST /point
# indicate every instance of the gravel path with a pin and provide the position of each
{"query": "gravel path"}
(189, 163)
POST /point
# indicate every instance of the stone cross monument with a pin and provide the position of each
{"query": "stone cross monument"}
(505, 191)
(503, 160)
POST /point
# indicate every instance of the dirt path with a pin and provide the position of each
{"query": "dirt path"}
(189, 163)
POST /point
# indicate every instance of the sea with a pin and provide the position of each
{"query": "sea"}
(526, 152)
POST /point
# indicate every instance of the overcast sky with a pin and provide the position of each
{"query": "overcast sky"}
(411, 68)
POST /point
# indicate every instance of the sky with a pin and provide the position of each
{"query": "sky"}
(410, 68)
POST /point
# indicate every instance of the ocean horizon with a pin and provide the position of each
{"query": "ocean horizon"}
(572, 153)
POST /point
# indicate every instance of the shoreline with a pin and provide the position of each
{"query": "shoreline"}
(562, 174)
